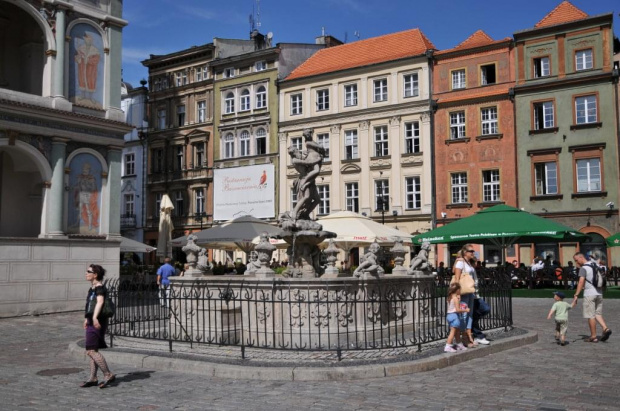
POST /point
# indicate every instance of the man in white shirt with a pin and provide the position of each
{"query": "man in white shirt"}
(592, 298)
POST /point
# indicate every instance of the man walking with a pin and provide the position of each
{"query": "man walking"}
(163, 281)
(592, 297)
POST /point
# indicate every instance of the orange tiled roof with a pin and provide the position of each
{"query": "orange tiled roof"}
(563, 13)
(380, 49)
(478, 39)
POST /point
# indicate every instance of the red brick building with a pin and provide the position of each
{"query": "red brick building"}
(475, 164)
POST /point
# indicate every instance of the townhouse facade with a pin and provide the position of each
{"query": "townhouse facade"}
(369, 104)
(567, 133)
(474, 150)
(180, 140)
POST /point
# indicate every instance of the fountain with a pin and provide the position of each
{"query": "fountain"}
(302, 233)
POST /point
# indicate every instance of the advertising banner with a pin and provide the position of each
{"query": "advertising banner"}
(248, 190)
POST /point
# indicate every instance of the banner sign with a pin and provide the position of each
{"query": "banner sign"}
(248, 190)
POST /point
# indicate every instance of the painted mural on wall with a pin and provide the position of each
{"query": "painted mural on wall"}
(86, 67)
(84, 194)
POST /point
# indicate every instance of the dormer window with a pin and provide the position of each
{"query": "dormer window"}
(260, 65)
(229, 73)
(583, 60)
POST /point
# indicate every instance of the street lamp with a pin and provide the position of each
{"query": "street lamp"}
(199, 218)
(382, 202)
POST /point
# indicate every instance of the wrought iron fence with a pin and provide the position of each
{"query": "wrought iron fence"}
(306, 315)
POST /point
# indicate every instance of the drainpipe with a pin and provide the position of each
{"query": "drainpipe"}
(614, 78)
(511, 96)
(432, 109)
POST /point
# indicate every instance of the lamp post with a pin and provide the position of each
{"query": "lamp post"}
(381, 203)
(199, 218)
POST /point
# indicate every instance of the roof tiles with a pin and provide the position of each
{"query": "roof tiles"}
(563, 13)
(361, 53)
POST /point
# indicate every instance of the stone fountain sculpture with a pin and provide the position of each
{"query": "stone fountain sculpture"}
(300, 232)
(369, 264)
(419, 265)
(191, 251)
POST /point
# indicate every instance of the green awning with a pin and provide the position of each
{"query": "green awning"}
(613, 241)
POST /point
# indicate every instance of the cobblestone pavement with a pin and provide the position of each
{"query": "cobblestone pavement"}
(37, 372)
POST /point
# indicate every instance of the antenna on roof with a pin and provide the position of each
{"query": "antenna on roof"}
(257, 14)
(346, 36)
(356, 33)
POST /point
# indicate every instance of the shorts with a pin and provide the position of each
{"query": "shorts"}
(592, 306)
(561, 326)
(453, 320)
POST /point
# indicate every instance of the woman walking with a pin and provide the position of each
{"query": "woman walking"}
(464, 266)
(95, 326)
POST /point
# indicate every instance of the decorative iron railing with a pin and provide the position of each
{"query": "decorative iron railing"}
(285, 314)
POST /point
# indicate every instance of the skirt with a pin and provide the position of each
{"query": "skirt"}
(95, 338)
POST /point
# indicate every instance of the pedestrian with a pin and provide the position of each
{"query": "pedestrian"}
(560, 308)
(464, 266)
(453, 318)
(96, 325)
(592, 298)
(163, 281)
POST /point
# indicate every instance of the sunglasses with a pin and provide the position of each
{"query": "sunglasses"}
(470, 251)
(90, 271)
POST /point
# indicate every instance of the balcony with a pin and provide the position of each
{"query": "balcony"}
(128, 221)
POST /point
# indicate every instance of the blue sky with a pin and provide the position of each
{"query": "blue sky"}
(166, 26)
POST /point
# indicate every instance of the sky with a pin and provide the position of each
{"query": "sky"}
(166, 26)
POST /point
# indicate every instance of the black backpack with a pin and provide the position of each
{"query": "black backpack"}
(599, 275)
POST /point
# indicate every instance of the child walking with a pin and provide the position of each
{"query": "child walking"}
(560, 308)
(453, 318)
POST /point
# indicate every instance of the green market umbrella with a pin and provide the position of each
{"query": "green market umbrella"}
(613, 241)
(502, 226)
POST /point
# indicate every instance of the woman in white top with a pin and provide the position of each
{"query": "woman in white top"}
(465, 262)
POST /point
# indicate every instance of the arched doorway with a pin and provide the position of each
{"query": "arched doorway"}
(595, 246)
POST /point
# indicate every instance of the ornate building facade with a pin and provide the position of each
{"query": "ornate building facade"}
(61, 136)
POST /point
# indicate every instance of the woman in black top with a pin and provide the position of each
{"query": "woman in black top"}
(95, 326)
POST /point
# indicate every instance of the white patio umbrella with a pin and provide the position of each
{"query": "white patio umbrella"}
(241, 232)
(132, 246)
(355, 230)
(164, 241)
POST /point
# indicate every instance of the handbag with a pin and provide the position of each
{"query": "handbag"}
(466, 282)
(107, 311)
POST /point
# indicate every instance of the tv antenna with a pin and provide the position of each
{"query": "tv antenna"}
(356, 33)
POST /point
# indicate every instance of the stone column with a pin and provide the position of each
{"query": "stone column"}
(114, 184)
(55, 205)
(59, 70)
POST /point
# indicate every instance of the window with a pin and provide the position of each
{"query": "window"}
(261, 141)
(322, 99)
(543, 115)
(459, 188)
(297, 143)
(180, 116)
(202, 111)
(588, 175)
(350, 144)
(158, 160)
(457, 125)
(490, 186)
(229, 103)
(260, 65)
(583, 60)
(585, 109)
(158, 197)
(382, 195)
(130, 164)
(244, 102)
(201, 73)
(200, 201)
(161, 119)
(487, 74)
(323, 199)
(323, 141)
(546, 176)
(179, 158)
(293, 198)
(179, 81)
(458, 79)
(410, 84)
(261, 97)
(489, 120)
(352, 194)
(229, 146)
(380, 90)
(229, 72)
(413, 193)
(129, 205)
(179, 207)
(350, 95)
(244, 143)
(296, 104)
(200, 155)
(541, 67)
(381, 141)
(412, 137)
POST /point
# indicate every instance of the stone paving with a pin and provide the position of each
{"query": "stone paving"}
(38, 373)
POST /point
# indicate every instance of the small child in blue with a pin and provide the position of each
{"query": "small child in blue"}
(453, 318)
(560, 308)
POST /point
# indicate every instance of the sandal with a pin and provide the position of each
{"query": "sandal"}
(591, 339)
(107, 382)
(606, 334)
(87, 384)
